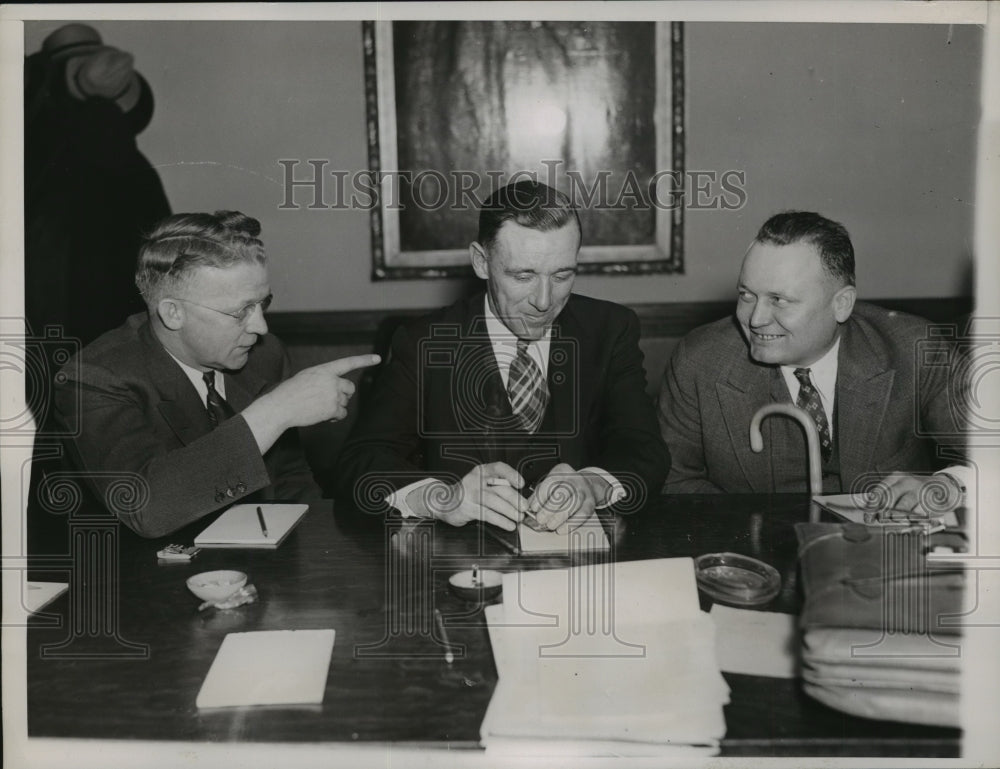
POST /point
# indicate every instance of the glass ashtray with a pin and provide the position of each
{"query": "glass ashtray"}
(736, 579)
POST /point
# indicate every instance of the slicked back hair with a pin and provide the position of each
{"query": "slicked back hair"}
(527, 203)
(183, 242)
(830, 239)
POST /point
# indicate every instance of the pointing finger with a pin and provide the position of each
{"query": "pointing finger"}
(346, 365)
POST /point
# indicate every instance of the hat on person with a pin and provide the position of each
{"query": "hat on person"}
(92, 68)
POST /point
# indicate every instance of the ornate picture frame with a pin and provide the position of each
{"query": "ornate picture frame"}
(454, 109)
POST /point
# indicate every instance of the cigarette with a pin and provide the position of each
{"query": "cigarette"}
(448, 656)
(507, 484)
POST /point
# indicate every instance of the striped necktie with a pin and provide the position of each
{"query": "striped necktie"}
(527, 388)
(810, 401)
(218, 409)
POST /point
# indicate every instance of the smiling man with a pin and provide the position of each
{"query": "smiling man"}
(524, 398)
(189, 407)
(800, 336)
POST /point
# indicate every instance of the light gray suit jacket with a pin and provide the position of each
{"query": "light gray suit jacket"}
(893, 404)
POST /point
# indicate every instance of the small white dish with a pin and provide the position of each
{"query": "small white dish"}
(216, 585)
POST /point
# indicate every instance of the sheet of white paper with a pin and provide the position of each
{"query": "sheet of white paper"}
(757, 643)
(583, 654)
(590, 536)
(633, 592)
(39, 594)
(269, 667)
(618, 699)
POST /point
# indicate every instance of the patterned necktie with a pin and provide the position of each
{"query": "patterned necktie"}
(218, 409)
(527, 389)
(809, 400)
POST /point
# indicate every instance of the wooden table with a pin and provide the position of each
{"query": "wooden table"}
(128, 661)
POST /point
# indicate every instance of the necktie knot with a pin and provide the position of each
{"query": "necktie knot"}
(802, 374)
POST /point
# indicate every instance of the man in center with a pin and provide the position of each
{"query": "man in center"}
(524, 398)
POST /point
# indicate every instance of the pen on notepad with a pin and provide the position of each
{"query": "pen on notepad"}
(511, 548)
(260, 517)
(448, 656)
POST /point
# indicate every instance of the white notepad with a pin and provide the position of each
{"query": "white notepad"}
(269, 667)
(590, 536)
(239, 526)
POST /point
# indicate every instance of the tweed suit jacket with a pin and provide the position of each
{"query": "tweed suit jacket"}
(894, 408)
(136, 414)
(439, 407)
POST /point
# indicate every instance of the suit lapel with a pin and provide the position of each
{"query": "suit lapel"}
(487, 404)
(179, 405)
(864, 385)
(565, 376)
(243, 388)
(744, 389)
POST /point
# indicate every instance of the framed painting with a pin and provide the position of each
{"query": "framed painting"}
(458, 108)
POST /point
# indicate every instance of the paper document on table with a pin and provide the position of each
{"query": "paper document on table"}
(584, 656)
(240, 526)
(590, 536)
(542, 717)
(38, 595)
(852, 507)
(269, 667)
(756, 643)
(662, 589)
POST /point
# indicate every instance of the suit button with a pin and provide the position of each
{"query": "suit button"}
(241, 488)
(219, 496)
(229, 492)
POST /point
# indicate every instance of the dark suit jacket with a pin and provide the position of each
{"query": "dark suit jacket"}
(137, 416)
(892, 399)
(439, 408)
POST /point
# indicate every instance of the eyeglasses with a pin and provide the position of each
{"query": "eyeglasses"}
(242, 315)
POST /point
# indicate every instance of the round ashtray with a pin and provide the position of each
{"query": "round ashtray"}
(216, 585)
(736, 579)
(476, 585)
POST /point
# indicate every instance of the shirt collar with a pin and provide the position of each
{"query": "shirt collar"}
(823, 373)
(197, 377)
(504, 342)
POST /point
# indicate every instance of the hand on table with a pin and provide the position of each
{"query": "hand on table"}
(565, 499)
(474, 498)
(927, 494)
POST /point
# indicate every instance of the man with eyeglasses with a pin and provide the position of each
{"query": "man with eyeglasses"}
(189, 405)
